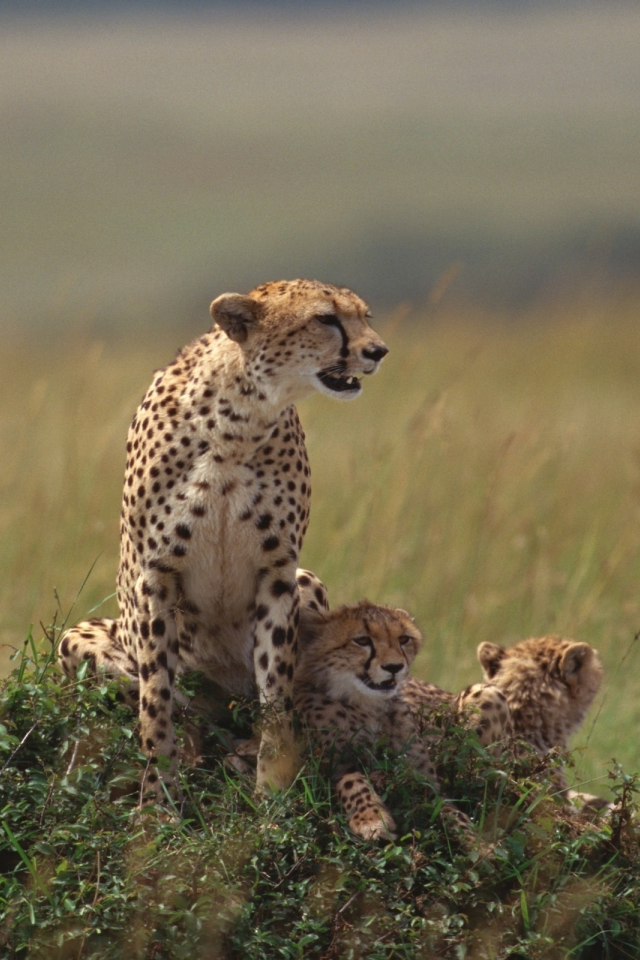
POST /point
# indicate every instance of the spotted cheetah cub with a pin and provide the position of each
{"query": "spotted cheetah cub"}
(549, 684)
(349, 687)
(215, 509)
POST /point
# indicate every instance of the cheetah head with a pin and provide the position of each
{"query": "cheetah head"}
(357, 650)
(302, 335)
(549, 682)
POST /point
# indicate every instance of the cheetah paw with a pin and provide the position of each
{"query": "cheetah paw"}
(373, 825)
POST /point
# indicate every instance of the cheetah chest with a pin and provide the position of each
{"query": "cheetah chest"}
(243, 522)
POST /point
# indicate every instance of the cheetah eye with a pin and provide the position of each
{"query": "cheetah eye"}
(329, 319)
(405, 639)
(362, 641)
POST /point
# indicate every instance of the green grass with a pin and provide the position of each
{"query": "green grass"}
(488, 480)
(85, 875)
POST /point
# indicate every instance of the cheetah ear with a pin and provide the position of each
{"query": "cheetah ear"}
(236, 315)
(312, 621)
(406, 614)
(490, 656)
(574, 659)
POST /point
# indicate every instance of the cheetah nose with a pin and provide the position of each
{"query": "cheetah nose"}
(392, 668)
(375, 353)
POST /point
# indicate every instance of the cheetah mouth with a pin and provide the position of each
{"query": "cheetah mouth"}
(339, 383)
(384, 687)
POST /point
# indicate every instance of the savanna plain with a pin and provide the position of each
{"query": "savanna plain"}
(487, 480)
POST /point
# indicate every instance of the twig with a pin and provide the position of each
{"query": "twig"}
(46, 802)
(73, 758)
(289, 872)
(13, 753)
(348, 903)
(95, 896)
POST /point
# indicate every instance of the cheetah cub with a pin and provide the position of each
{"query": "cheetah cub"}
(349, 687)
(549, 684)
(215, 509)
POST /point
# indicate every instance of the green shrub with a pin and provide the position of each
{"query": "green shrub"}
(85, 874)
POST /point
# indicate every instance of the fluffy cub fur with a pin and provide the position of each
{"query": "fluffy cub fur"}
(549, 684)
(348, 688)
(353, 688)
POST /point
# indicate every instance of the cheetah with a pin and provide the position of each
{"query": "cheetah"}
(549, 683)
(537, 691)
(348, 689)
(215, 509)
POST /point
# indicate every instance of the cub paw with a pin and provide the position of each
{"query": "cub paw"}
(374, 824)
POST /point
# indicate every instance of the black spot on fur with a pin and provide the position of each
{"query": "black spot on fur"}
(280, 587)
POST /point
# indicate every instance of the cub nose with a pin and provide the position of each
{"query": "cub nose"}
(375, 353)
(392, 668)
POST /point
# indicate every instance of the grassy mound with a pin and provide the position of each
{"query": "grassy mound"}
(84, 874)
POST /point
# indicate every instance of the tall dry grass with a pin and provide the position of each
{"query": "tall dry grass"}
(488, 480)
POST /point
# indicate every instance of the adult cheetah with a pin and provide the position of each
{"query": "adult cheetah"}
(215, 509)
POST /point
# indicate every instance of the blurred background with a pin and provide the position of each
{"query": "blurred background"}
(472, 169)
(155, 154)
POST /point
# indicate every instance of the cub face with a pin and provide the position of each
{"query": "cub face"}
(362, 650)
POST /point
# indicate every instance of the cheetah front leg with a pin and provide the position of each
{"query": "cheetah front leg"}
(367, 815)
(157, 642)
(275, 651)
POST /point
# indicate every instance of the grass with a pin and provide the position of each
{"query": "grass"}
(85, 875)
(488, 480)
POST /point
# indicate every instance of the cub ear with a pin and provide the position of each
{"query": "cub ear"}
(311, 625)
(490, 656)
(236, 314)
(406, 614)
(574, 660)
